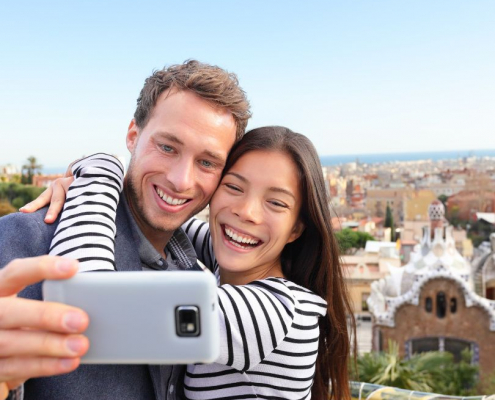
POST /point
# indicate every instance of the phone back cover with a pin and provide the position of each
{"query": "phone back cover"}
(132, 315)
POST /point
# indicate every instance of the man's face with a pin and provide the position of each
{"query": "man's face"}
(177, 161)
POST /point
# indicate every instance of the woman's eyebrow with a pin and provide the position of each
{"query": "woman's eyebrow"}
(272, 189)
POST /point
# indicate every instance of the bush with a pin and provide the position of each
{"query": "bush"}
(6, 208)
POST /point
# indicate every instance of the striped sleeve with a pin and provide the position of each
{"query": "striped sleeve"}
(254, 319)
(198, 233)
(86, 230)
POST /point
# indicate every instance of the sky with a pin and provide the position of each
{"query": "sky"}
(355, 76)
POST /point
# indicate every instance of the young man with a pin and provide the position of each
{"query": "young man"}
(187, 119)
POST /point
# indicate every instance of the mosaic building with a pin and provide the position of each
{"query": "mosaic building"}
(431, 303)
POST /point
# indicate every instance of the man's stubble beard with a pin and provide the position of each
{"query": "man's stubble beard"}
(136, 203)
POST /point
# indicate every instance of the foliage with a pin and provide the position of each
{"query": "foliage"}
(389, 222)
(349, 239)
(462, 377)
(6, 208)
(30, 169)
(18, 194)
(443, 198)
(487, 384)
(433, 372)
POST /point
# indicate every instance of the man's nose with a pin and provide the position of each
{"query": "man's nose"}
(182, 176)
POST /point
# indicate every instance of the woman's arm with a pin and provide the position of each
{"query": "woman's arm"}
(254, 320)
(198, 233)
(86, 230)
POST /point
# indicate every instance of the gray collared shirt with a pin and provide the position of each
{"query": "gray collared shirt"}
(180, 255)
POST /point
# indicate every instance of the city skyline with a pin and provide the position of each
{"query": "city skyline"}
(360, 78)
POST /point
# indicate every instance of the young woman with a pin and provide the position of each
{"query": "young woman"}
(282, 295)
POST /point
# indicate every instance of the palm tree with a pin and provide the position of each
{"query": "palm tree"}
(419, 373)
(30, 169)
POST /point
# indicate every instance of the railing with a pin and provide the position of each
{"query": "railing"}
(369, 391)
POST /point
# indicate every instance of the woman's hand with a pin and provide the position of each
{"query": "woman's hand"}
(54, 196)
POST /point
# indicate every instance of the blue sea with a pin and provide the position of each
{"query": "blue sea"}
(371, 158)
(390, 157)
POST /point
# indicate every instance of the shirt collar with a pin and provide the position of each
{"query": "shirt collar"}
(179, 250)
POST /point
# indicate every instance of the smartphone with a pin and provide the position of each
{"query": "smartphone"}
(144, 317)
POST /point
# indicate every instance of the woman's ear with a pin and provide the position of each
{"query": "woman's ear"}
(296, 231)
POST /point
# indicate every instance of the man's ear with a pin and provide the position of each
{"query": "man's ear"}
(132, 136)
(296, 231)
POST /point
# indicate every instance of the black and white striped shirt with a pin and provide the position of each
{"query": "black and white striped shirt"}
(269, 336)
(269, 328)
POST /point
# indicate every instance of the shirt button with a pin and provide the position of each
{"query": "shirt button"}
(171, 389)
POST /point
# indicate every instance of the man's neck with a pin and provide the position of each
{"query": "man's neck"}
(158, 239)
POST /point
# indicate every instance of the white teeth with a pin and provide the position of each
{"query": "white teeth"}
(239, 239)
(170, 200)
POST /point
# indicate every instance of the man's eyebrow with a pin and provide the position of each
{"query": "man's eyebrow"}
(171, 137)
(272, 189)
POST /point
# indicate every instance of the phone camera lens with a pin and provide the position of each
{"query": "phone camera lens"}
(187, 320)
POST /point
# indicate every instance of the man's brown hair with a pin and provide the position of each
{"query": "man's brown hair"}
(209, 82)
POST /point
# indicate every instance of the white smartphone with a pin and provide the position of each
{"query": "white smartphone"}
(144, 317)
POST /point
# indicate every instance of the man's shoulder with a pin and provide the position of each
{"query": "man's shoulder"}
(24, 235)
(19, 222)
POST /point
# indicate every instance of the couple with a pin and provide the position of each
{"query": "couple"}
(272, 193)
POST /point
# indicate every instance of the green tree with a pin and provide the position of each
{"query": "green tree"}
(6, 208)
(30, 169)
(350, 240)
(443, 198)
(389, 222)
(434, 372)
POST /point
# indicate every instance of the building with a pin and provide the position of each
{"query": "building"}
(465, 204)
(45, 180)
(377, 201)
(431, 302)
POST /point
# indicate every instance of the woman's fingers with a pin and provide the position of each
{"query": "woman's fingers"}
(60, 188)
(42, 200)
(54, 196)
(23, 272)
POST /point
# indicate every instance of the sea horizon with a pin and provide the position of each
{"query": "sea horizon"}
(371, 158)
(376, 158)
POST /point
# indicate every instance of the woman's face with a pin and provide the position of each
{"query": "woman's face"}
(253, 214)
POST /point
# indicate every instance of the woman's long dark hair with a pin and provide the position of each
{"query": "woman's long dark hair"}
(313, 259)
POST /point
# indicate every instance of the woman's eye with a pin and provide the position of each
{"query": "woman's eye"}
(166, 149)
(278, 204)
(232, 187)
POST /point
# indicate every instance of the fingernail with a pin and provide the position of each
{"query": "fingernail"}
(67, 363)
(48, 216)
(75, 345)
(73, 321)
(22, 208)
(65, 265)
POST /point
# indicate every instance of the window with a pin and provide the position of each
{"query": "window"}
(429, 304)
(453, 305)
(441, 305)
(424, 345)
(364, 304)
(456, 346)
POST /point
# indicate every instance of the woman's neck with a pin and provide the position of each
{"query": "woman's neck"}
(253, 274)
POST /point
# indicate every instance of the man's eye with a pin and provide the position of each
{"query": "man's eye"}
(206, 163)
(166, 149)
